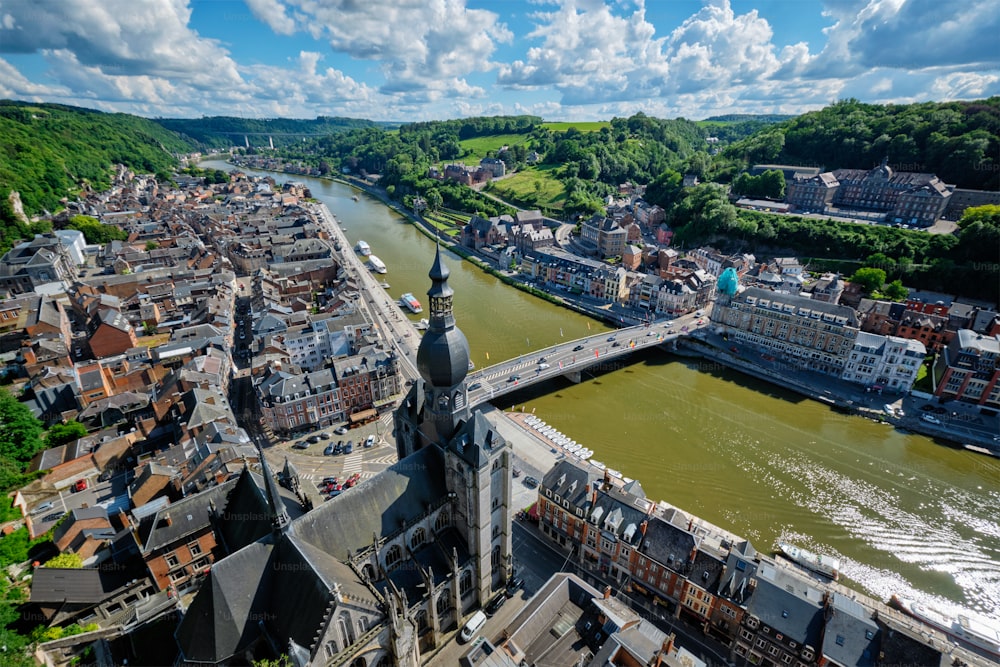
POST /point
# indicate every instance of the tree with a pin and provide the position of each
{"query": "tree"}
(895, 291)
(870, 279)
(434, 199)
(151, 245)
(94, 231)
(67, 560)
(62, 433)
(19, 431)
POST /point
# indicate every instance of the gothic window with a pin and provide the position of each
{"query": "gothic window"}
(443, 602)
(331, 649)
(418, 538)
(362, 625)
(342, 625)
(442, 521)
(422, 619)
(466, 583)
(496, 532)
(393, 556)
(495, 557)
(359, 662)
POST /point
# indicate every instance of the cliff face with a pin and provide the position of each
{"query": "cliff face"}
(16, 206)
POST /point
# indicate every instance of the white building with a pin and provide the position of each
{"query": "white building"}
(887, 362)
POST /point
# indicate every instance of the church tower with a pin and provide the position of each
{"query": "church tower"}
(434, 408)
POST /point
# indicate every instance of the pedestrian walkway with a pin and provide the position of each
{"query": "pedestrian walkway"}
(353, 463)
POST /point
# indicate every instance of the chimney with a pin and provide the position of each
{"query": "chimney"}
(169, 521)
(642, 527)
(607, 592)
(690, 524)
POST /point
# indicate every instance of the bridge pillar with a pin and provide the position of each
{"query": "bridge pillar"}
(574, 377)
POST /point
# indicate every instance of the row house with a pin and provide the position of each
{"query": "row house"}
(931, 330)
(292, 402)
(813, 193)
(577, 274)
(813, 335)
(887, 362)
(603, 236)
(969, 368)
(527, 238)
(647, 215)
(44, 259)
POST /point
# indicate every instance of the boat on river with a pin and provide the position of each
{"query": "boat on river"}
(411, 303)
(824, 565)
(976, 631)
(376, 264)
(362, 248)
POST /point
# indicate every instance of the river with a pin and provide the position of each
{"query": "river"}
(903, 513)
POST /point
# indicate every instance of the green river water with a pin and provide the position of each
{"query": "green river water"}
(902, 513)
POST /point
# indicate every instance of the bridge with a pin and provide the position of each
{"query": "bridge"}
(570, 359)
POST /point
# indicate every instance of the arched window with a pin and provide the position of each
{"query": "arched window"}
(330, 648)
(442, 521)
(359, 662)
(496, 503)
(444, 601)
(495, 557)
(383, 662)
(344, 636)
(362, 625)
(418, 539)
(369, 571)
(466, 583)
(496, 532)
(422, 619)
(393, 556)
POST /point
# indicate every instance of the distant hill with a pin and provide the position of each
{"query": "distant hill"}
(47, 151)
(226, 131)
(958, 141)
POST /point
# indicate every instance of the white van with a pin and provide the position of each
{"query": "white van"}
(474, 625)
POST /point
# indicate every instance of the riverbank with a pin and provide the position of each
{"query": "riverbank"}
(849, 397)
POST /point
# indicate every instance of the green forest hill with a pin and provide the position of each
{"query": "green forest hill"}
(226, 131)
(569, 169)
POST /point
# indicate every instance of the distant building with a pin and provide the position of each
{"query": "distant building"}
(969, 368)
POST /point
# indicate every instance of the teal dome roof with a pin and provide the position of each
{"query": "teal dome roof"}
(729, 282)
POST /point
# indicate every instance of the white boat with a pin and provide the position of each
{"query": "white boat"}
(976, 631)
(363, 249)
(376, 264)
(598, 465)
(411, 303)
(539, 425)
(825, 565)
(586, 454)
(573, 449)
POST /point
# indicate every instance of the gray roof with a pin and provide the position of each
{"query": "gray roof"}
(789, 604)
(851, 637)
(218, 623)
(397, 495)
(73, 585)
(187, 516)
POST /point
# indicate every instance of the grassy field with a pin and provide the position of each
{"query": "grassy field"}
(480, 146)
(521, 187)
(585, 126)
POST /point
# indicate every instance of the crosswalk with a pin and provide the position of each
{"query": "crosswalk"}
(353, 463)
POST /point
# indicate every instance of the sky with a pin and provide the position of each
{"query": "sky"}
(412, 60)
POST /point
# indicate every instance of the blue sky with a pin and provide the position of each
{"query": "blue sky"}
(409, 60)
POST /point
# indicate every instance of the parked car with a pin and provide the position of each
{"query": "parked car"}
(42, 509)
(301, 444)
(328, 451)
(313, 439)
(494, 605)
(338, 449)
(370, 441)
(341, 430)
(516, 472)
(931, 419)
(324, 436)
(513, 586)
(349, 447)
(330, 480)
(80, 485)
(530, 482)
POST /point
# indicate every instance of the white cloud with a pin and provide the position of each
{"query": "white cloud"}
(120, 38)
(425, 48)
(13, 84)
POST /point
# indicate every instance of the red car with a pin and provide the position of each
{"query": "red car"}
(80, 485)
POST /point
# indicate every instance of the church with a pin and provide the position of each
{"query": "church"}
(376, 576)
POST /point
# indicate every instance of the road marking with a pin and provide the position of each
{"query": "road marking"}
(353, 463)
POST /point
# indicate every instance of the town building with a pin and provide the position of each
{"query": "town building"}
(811, 334)
(969, 369)
(884, 362)
(603, 236)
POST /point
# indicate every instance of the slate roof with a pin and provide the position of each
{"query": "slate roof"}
(187, 516)
(400, 493)
(788, 604)
(851, 637)
(74, 585)
(667, 543)
(218, 622)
